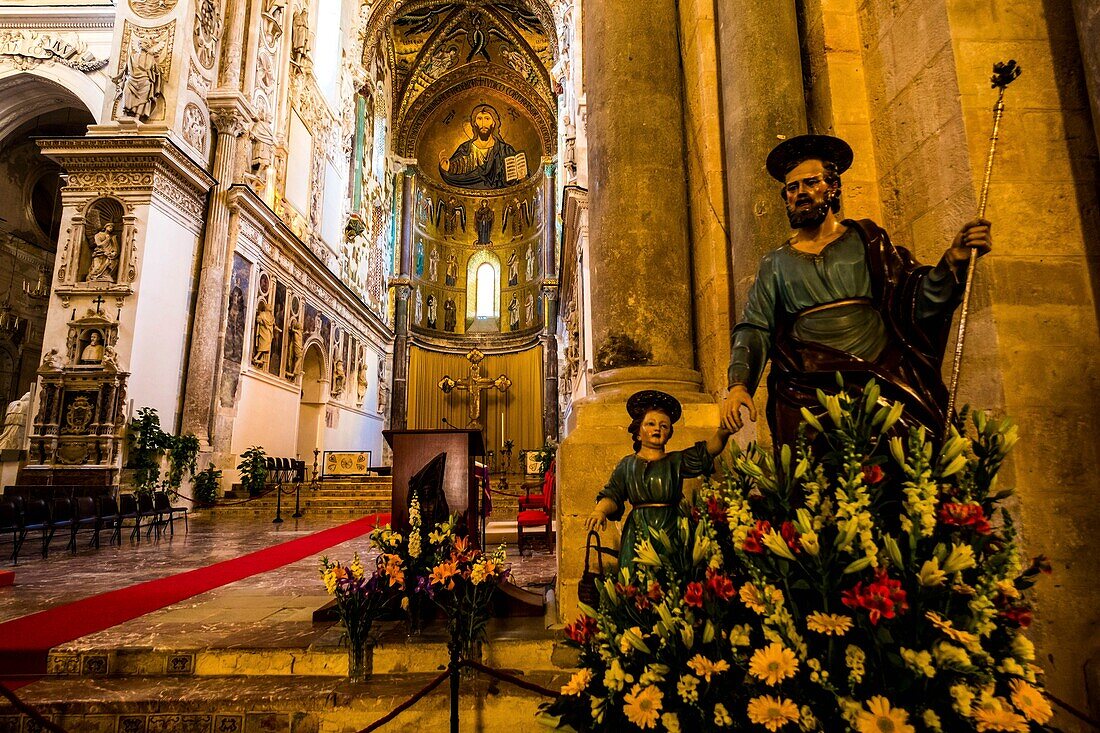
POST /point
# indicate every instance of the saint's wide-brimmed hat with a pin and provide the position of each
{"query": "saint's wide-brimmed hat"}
(792, 151)
(652, 399)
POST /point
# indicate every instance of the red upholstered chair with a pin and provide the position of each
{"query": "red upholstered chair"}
(538, 500)
(543, 518)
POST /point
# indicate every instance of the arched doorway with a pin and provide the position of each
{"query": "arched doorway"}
(31, 106)
(311, 412)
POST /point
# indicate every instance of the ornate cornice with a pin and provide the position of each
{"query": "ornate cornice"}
(283, 249)
(70, 18)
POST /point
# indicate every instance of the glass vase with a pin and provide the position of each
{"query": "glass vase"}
(359, 660)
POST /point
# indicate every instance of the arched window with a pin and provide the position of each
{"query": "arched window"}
(327, 47)
(486, 291)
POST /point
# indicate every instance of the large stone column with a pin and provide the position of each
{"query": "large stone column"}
(231, 118)
(1087, 15)
(640, 275)
(399, 403)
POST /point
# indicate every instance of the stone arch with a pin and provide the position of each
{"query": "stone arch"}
(46, 88)
(314, 396)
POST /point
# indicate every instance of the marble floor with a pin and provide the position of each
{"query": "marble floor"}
(288, 593)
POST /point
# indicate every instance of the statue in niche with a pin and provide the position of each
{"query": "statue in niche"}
(452, 269)
(431, 311)
(433, 265)
(338, 378)
(450, 315)
(513, 313)
(453, 215)
(294, 356)
(361, 380)
(529, 310)
(483, 221)
(299, 37)
(92, 353)
(518, 214)
(104, 255)
(418, 261)
(140, 81)
(15, 423)
(486, 160)
(383, 389)
(513, 269)
(264, 333)
(531, 269)
(418, 308)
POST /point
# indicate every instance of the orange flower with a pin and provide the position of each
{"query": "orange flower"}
(461, 545)
(442, 574)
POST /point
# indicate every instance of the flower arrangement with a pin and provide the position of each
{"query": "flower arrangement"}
(862, 582)
(361, 600)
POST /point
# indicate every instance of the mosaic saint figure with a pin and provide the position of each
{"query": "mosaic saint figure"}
(531, 269)
(651, 478)
(483, 220)
(838, 296)
(433, 265)
(513, 269)
(513, 313)
(529, 310)
(419, 266)
(450, 315)
(452, 269)
(480, 161)
(431, 311)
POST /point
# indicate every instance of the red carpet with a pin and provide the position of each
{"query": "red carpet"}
(26, 641)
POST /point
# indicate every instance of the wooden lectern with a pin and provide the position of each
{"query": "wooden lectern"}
(414, 449)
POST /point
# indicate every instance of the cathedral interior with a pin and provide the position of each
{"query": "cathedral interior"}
(314, 227)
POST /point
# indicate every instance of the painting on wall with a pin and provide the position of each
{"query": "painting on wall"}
(234, 329)
(275, 363)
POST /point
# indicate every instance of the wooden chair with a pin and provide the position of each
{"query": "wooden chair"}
(35, 517)
(542, 518)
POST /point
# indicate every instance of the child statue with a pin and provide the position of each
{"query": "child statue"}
(652, 479)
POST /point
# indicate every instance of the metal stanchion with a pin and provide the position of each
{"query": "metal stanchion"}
(278, 504)
(297, 500)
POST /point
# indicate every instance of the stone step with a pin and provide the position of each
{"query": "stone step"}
(300, 704)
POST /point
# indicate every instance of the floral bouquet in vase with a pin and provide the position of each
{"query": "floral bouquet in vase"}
(361, 600)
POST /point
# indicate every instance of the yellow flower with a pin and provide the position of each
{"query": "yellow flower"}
(961, 558)
(721, 716)
(930, 573)
(949, 655)
(330, 581)
(828, 623)
(643, 706)
(615, 678)
(1030, 702)
(1023, 649)
(772, 712)
(773, 664)
(994, 716)
(705, 668)
(357, 567)
(881, 718)
(854, 657)
(688, 688)
(739, 636)
(810, 543)
(775, 542)
(755, 599)
(671, 722)
(970, 641)
(577, 683)
(964, 698)
(919, 662)
(932, 721)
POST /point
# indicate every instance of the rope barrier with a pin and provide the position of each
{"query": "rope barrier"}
(30, 712)
(416, 697)
(1073, 711)
(509, 678)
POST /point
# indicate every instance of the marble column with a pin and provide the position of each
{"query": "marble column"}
(399, 402)
(231, 117)
(760, 75)
(639, 259)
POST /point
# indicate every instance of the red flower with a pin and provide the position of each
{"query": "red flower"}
(582, 629)
(965, 515)
(694, 594)
(882, 598)
(627, 591)
(655, 591)
(720, 585)
(716, 512)
(1019, 615)
(790, 536)
(872, 474)
(754, 542)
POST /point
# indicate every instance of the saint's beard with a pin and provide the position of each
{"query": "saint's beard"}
(484, 133)
(810, 217)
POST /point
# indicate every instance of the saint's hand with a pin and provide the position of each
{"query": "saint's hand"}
(737, 398)
(595, 521)
(975, 236)
(444, 160)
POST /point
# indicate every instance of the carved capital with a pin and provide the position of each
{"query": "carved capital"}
(230, 112)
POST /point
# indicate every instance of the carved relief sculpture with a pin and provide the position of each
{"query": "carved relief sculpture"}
(152, 8)
(140, 81)
(15, 423)
(294, 356)
(338, 378)
(30, 48)
(264, 333)
(273, 20)
(208, 27)
(194, 127)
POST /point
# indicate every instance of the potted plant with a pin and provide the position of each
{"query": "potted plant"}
(183, 450)
(205, 485)
(253, 468)
(147, 445)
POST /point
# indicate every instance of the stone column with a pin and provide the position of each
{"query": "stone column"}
(399, 400)
(1087, 15)
(640, 275)
(550, 404)
(760, 75)
(549, 216)
(231, 118)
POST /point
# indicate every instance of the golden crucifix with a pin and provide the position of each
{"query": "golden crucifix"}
(474, 384)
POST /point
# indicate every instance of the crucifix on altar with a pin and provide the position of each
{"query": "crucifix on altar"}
(474, 385)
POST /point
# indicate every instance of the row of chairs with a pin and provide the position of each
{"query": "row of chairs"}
(20, 517)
